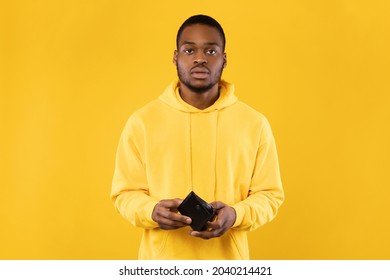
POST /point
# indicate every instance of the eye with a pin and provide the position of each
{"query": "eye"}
(189, 51)
(211, 51)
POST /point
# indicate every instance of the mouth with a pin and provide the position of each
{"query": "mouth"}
(200, 72)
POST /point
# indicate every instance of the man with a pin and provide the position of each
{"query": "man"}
(197, 137)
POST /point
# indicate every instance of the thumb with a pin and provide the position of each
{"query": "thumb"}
(217, 205)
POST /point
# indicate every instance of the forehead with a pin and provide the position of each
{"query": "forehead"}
(201, 34)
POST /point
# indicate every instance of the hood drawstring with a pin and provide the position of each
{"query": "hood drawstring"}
(190, 149)
(216, 152)
(189, 153)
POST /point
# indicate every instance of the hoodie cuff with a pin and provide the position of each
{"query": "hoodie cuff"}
(240, 211)
(145, 219)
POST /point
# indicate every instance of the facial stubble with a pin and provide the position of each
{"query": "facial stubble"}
(199, 89)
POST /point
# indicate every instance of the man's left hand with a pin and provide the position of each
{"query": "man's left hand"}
(226, 216)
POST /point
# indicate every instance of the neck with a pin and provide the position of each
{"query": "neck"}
(199, 100)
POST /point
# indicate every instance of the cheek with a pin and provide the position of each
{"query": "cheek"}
(183, 61)
(182, 66)
(218, 65)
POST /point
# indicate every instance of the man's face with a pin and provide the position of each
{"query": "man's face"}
(200, 58)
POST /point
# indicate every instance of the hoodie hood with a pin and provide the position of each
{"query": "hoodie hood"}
(171, 97)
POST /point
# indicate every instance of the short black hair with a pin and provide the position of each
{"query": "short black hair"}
(201, 19)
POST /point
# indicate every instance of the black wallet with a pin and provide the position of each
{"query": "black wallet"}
(198, 210)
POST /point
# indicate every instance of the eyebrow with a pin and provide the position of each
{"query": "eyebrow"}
(207, 43)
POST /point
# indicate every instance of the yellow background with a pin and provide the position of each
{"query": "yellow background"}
(73, 71)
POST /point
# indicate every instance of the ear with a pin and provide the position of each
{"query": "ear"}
(175, 57)
(224, 60)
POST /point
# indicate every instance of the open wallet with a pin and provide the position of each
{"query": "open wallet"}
(198, 210)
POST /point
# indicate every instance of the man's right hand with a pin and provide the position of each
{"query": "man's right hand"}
(166, 215)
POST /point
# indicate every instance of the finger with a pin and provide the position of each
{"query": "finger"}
(214, 229)
(206, 234)
(217, 205)
(170, 203)
(175, 217)
(169, 224)
(167, 227)
(213, 226)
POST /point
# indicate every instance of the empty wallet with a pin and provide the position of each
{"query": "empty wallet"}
(198, 210)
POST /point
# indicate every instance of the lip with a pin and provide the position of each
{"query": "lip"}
(200, 72)
(198, 69)
(200, 75)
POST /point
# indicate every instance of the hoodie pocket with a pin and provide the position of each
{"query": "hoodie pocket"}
(175, 244)
(159, 240)
(238, 243)
(179, 244)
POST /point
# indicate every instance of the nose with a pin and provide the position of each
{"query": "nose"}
(200, 59)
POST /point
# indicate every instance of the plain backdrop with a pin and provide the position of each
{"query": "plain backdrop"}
(72, 72)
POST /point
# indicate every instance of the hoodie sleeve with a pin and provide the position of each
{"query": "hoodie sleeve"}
(130, 192)
(265, 192)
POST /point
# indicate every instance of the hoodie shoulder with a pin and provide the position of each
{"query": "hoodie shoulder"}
(149, 107)
(254, 120)
(250, 112)
(143, 114)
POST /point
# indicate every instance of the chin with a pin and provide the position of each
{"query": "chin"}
(200, 89)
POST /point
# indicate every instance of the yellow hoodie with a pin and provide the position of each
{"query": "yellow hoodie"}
(225, 152)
